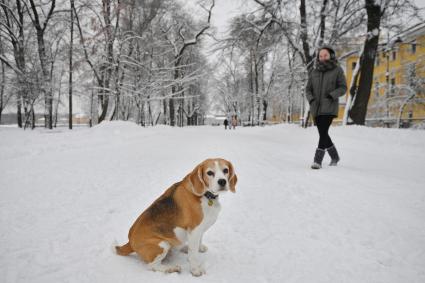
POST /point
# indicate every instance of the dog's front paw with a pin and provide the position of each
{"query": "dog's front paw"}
(203, 248)
(197, 271)
(174, 268)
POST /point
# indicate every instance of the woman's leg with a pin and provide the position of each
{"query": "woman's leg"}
(320, 151)
(323, 123)
(325, 142)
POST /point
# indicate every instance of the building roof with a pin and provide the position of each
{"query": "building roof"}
(407, 35)
(412, 32)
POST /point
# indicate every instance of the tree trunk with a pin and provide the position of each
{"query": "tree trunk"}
(106, 4)
(171, 111)
(19, 113)
(46, 83)
(265, 107)
(189, 110)
(309, 59)
(251, 89)
(70, 65)
(358, 111)
(32, 117)
(103, 98)
(257, 94)
(19, 54)
(57, 104)
(3, 78)
(91, 109)
(304, 36)
(164, 103)
(174, 90)
(322, 22)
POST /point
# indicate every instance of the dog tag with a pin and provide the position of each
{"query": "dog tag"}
(210, 202)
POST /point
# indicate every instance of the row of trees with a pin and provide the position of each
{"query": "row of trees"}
(125, 59)
(142, 59)
(271, 49)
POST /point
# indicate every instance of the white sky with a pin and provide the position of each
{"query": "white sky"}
(223, 11)
(420, 3)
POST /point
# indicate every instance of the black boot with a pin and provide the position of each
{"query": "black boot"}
(318, 158)
(333, 153)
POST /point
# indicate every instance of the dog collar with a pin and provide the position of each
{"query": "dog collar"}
(211, 197)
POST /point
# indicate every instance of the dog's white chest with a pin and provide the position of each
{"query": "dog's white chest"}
(210, 212)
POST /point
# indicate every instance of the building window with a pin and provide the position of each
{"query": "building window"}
(411, 72)
(376, 88)
(394, 55)
(413, 47)
(353, 65)
(392, 86)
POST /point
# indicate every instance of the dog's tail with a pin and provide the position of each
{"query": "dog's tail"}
(124, 250)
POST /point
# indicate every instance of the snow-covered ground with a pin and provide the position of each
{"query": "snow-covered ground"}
(68, 197)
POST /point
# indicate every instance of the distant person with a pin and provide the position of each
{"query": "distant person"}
(326, 83)
(226, 123)
(234, 122)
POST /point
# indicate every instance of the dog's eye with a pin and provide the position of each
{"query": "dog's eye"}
(225, 171)
(210, 173)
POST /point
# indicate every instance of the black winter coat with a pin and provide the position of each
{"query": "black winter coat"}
(323, 90)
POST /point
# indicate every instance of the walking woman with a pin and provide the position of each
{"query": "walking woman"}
(326, 83)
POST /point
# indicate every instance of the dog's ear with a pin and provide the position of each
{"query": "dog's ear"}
(197, 180)
(233, 179)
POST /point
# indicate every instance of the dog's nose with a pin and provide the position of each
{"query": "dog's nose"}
(222, 182)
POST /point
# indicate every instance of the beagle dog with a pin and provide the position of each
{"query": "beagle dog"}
(180, 216)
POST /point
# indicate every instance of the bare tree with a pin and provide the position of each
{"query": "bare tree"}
(14, 26)
(362, 83)
(180, 44)
(139, 72)
(326, 25)
(40, 28)
(4, 98)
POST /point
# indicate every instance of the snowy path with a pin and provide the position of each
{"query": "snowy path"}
(66, 197)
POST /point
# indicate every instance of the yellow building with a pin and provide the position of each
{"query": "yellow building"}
(397, 94)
